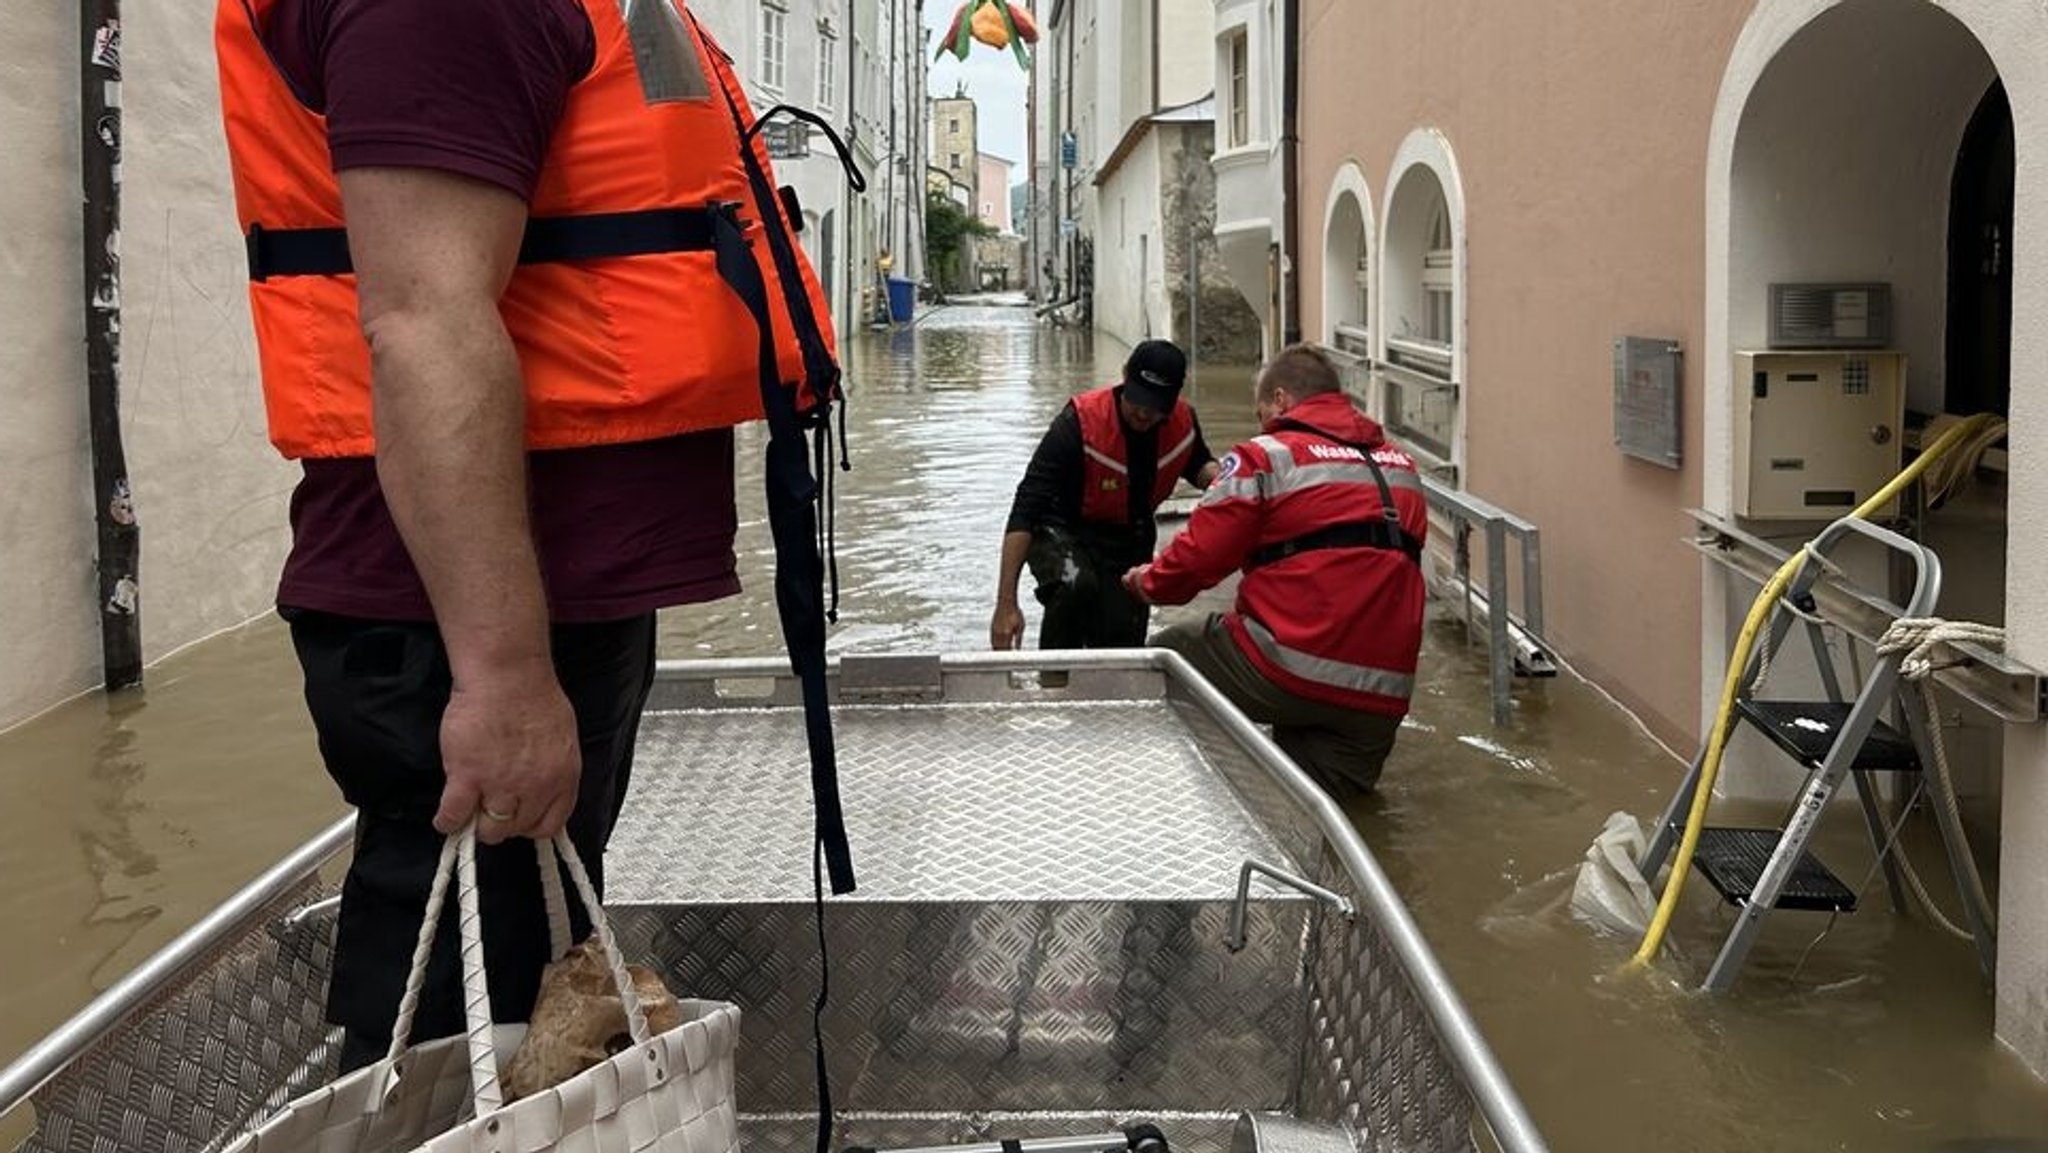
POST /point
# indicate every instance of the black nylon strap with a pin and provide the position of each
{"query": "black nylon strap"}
(1351, 534)
(799, 571)
(799, 602)
(548, 240)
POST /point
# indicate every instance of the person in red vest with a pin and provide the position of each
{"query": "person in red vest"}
(516, 271)
(1326, 519)
(1084, 511)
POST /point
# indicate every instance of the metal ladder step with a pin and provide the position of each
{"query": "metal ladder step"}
(1806, 730)
(1731, 860)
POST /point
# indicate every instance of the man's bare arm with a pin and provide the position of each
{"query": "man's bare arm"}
(433, 253)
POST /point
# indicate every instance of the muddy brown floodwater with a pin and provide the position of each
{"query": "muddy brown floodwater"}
(124, 822)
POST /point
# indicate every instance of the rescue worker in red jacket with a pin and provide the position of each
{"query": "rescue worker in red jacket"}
(1084, 511)
(1327, 520)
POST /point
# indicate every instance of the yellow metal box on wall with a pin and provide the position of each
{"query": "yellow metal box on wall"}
(1816, 432)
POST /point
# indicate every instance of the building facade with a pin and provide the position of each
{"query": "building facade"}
(1101, 69)
(1160, 273)
(956, 145)
(862, 68)
(992, 199)
(1484, 214)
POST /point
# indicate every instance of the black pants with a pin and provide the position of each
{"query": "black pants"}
(376, 690)
(1080, 583)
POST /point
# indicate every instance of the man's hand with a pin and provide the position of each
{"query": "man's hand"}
(508, 743)
(1207, 476)
(1134, 582)
(1006, 628)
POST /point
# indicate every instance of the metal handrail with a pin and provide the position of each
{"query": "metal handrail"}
(1423, 350)
(1237, 932)
(49, 1057)
(1355, 339)
(1508, 639)
(1409, 377)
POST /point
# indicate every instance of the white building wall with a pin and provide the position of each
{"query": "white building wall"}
(209, 490)
(1248, 177)
(1130, 277)
(1187, 36)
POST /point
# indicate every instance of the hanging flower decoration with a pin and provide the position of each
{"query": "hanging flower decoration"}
(993, 22)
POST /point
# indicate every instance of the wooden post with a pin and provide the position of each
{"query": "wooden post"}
(120, 539)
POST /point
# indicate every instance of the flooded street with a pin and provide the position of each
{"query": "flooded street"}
(124, 824)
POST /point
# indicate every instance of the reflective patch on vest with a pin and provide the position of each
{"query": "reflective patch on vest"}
(1168, 458)
(1104, 459)
(663, 52)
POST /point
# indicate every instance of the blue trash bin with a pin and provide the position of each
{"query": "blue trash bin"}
(902, 299)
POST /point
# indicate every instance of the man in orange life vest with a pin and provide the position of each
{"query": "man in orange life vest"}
(1084, 510)
(516, 271)
(1327, 520)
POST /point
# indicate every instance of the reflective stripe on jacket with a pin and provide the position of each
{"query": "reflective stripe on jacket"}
(1340, 624)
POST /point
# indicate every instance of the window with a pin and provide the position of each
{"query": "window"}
(952, 124)
(1240, 91)
(1422, 395)
(953, 161)
(774, 46)
(828, 73)
(1436, 279)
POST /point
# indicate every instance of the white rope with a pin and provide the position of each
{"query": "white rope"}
(1919, 637)
(1763, 663)
(1915, 640)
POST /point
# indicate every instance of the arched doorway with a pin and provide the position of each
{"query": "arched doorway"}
(1421, 322)
(1347, 264)
(1868, 141)
(1978, 360)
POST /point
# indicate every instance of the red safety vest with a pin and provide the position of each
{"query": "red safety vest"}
(1330, 607)
(658, 246)
(1105, 467)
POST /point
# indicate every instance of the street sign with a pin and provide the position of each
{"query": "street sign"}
(1070, 150)
(787, 139)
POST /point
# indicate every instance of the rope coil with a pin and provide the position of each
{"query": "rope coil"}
(1918, 639)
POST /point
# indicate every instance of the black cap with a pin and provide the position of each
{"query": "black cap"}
(1154, 373)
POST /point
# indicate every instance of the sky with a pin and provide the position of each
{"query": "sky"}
(992, 78)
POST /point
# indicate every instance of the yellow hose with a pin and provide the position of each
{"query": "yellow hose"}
(1738, 661)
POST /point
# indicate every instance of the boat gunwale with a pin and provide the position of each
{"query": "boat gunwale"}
(1456, 1032)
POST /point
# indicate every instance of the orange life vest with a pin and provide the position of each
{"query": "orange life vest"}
(1105, 469)
(659, 291)
(629, 321)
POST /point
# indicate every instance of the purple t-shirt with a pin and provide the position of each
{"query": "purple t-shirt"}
(476, 87)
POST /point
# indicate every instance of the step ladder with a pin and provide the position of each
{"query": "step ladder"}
(1759, 870)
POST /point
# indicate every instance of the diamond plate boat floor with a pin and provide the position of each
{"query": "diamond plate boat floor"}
(1060, 801)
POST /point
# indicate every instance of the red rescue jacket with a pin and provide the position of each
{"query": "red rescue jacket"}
(1330, 607)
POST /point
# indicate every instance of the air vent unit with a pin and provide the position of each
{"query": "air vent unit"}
(1831, 315)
